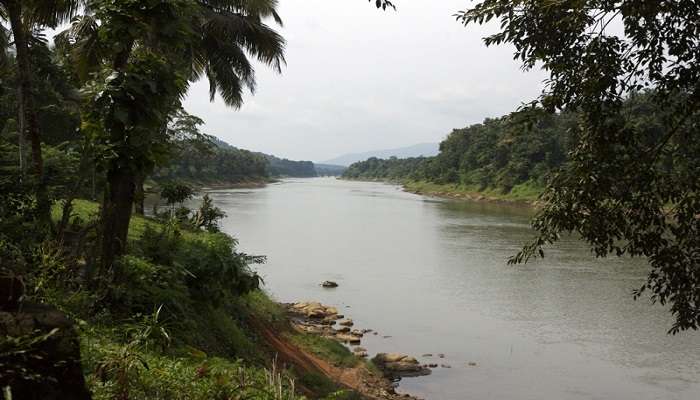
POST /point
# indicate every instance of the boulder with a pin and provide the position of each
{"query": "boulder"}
(348, 338)
(315, 310)
(395, 365)
(346, 322)
(359, 352)
(50, 354)
(331, 310)
(343, 329)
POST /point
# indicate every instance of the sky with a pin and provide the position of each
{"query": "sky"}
(360, 79)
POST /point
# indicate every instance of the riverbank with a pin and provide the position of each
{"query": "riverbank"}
(526, 194)
(431, 277)
(153, 186)
(185, 321)
(314, 353)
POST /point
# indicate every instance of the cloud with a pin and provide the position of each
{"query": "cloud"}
(359, 79)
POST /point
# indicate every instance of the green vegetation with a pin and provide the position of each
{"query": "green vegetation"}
(212, 161)
(166, 307)
(180, 323)
(524, 192)
(611, 145)
(501, 158)
(326, 349)
(621, 207)
(630, 185)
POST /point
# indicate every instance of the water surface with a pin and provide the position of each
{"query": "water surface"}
(430, 276)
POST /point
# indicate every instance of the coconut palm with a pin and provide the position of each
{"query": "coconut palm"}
(140, 57)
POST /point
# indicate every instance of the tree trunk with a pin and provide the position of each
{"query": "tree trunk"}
(22, 139)
(116, 214)
(140, 195)
(118, 196)
(30, 120)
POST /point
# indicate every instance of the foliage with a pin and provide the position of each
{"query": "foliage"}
(208, 215)
(281, 167)
(497, 156)
(176, 192)
(215, 161)
(629, 188)
(196, 377)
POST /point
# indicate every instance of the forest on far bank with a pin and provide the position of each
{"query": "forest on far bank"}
(517, 151)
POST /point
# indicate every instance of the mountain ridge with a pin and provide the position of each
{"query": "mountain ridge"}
(416, 150)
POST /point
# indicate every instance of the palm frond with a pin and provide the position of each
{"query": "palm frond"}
(257, 8)
(52, 13)
(228, 70)
(82, 41)
(261, 41)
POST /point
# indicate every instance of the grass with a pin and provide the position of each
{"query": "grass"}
(327, 349)
(525, 192)
(154, 374)
(212, 351)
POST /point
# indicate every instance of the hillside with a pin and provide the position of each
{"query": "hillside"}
(216, 161)
(511, 157)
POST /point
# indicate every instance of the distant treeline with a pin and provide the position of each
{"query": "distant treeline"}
(519, 149)
(223, 163)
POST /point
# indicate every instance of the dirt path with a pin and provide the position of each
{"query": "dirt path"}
(357, 378)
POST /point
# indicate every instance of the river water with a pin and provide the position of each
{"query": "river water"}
(430, 276)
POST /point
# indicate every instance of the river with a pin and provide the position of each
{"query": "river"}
(430, 276)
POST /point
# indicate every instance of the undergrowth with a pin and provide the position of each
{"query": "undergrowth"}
(177, 324)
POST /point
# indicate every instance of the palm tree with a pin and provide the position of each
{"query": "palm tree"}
(167, 45)
(24, 16)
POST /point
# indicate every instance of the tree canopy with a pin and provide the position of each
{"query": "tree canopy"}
(629, 188)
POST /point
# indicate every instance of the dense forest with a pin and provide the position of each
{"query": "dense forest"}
(518, 151)
(214, 161)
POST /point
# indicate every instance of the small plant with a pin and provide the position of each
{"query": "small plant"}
(150, 330)
(208, 215)
(123, 366)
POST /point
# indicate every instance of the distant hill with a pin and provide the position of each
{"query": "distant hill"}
(422, 149)
(281, 167)
(329, 169)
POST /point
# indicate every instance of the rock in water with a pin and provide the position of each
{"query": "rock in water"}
(348, 338)
(395, 365)
(329, 284)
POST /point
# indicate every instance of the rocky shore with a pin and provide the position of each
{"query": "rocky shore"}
(318, 319)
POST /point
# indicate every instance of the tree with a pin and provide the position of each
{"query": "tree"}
(137, 59)
(24, 16)
(628, 189)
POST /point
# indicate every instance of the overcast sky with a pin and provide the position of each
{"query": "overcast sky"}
(360, 79)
